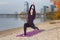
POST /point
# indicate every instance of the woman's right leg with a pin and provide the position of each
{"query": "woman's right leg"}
(25, 28)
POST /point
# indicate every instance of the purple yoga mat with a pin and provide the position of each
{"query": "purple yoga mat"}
(31, 33)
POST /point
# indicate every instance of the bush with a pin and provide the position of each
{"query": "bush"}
(23, 13)
(49, 15)
(56, 15)
(53, 15)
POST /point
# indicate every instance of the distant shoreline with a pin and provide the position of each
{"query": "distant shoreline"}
(17, 15)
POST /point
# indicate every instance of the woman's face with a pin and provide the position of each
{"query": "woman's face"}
(31, 11)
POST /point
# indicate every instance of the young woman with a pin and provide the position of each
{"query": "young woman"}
(30, 19)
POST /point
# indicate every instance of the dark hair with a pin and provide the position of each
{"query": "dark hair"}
(33, 9)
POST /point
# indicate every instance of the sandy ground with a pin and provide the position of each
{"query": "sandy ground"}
(52, 32)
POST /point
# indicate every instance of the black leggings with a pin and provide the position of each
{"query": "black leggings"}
(29, 25)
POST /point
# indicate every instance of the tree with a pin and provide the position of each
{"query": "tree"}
(23, 13)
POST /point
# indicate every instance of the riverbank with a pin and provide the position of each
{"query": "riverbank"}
(52, 32)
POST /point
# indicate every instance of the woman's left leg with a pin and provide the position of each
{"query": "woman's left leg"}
(34, 27)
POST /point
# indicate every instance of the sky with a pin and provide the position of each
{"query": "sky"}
(12, 6)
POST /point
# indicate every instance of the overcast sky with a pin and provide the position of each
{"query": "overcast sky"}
(11, 6)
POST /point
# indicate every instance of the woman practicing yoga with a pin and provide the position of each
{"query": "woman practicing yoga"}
(30, 19)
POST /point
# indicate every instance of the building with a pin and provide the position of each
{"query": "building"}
(26, 6)
(52, 8)
(45, 9)
(42, 11)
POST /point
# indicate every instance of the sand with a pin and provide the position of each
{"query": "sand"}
(52, 32)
